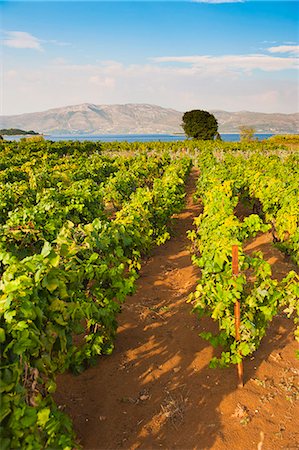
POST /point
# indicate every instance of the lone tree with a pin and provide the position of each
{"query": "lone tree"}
(247, 134)
(200, 125)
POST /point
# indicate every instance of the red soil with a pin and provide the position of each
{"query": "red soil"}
(156, 389)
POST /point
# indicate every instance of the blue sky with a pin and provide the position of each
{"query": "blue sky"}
(183, 55)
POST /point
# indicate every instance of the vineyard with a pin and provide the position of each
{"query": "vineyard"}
(80, 224)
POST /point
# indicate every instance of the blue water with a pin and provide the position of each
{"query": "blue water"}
(133, 137)
(120, 137)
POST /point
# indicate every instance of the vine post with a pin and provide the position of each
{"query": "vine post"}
(235, 269)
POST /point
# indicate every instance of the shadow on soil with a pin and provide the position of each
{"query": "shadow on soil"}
(156, 390)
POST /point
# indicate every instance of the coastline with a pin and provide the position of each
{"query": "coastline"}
(226, 137)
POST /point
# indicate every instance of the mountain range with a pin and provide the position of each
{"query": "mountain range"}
(88, 118)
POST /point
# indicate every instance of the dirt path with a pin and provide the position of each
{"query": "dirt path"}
(156, 390)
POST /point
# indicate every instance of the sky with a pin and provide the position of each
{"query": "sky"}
(211, 55)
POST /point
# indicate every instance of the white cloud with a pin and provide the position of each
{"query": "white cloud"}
(181, 85)
(226, 63)
(21, 39)
(291, 49)
(108, 82)
(11, 73)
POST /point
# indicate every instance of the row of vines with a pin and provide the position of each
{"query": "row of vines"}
(75, 221)
(269, 186)
(74, 225)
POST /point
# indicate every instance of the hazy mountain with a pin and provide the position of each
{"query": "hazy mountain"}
(99, 119)
(261, 122)
(139, 119)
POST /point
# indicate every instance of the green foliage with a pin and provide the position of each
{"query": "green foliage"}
(75, 220)
(66, 268)
(285, 139)
(271, 184)
(247, 134)
(200, 124)
(33, 139)
(220, 186)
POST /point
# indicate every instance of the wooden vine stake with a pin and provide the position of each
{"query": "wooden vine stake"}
(235, 267)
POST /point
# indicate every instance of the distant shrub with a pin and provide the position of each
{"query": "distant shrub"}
(247, 134)
(285, 139)
(33, 139)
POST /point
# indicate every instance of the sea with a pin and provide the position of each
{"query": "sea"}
(133, 137)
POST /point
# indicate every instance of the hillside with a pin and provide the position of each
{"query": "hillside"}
(100, 119)
(16, 132)
(262, 122)
(139, 119)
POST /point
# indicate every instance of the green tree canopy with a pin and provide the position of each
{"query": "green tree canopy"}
(200, 124)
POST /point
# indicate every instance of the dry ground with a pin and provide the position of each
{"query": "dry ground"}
(157, 391)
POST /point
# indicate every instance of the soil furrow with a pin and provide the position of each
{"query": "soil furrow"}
(156, 389)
